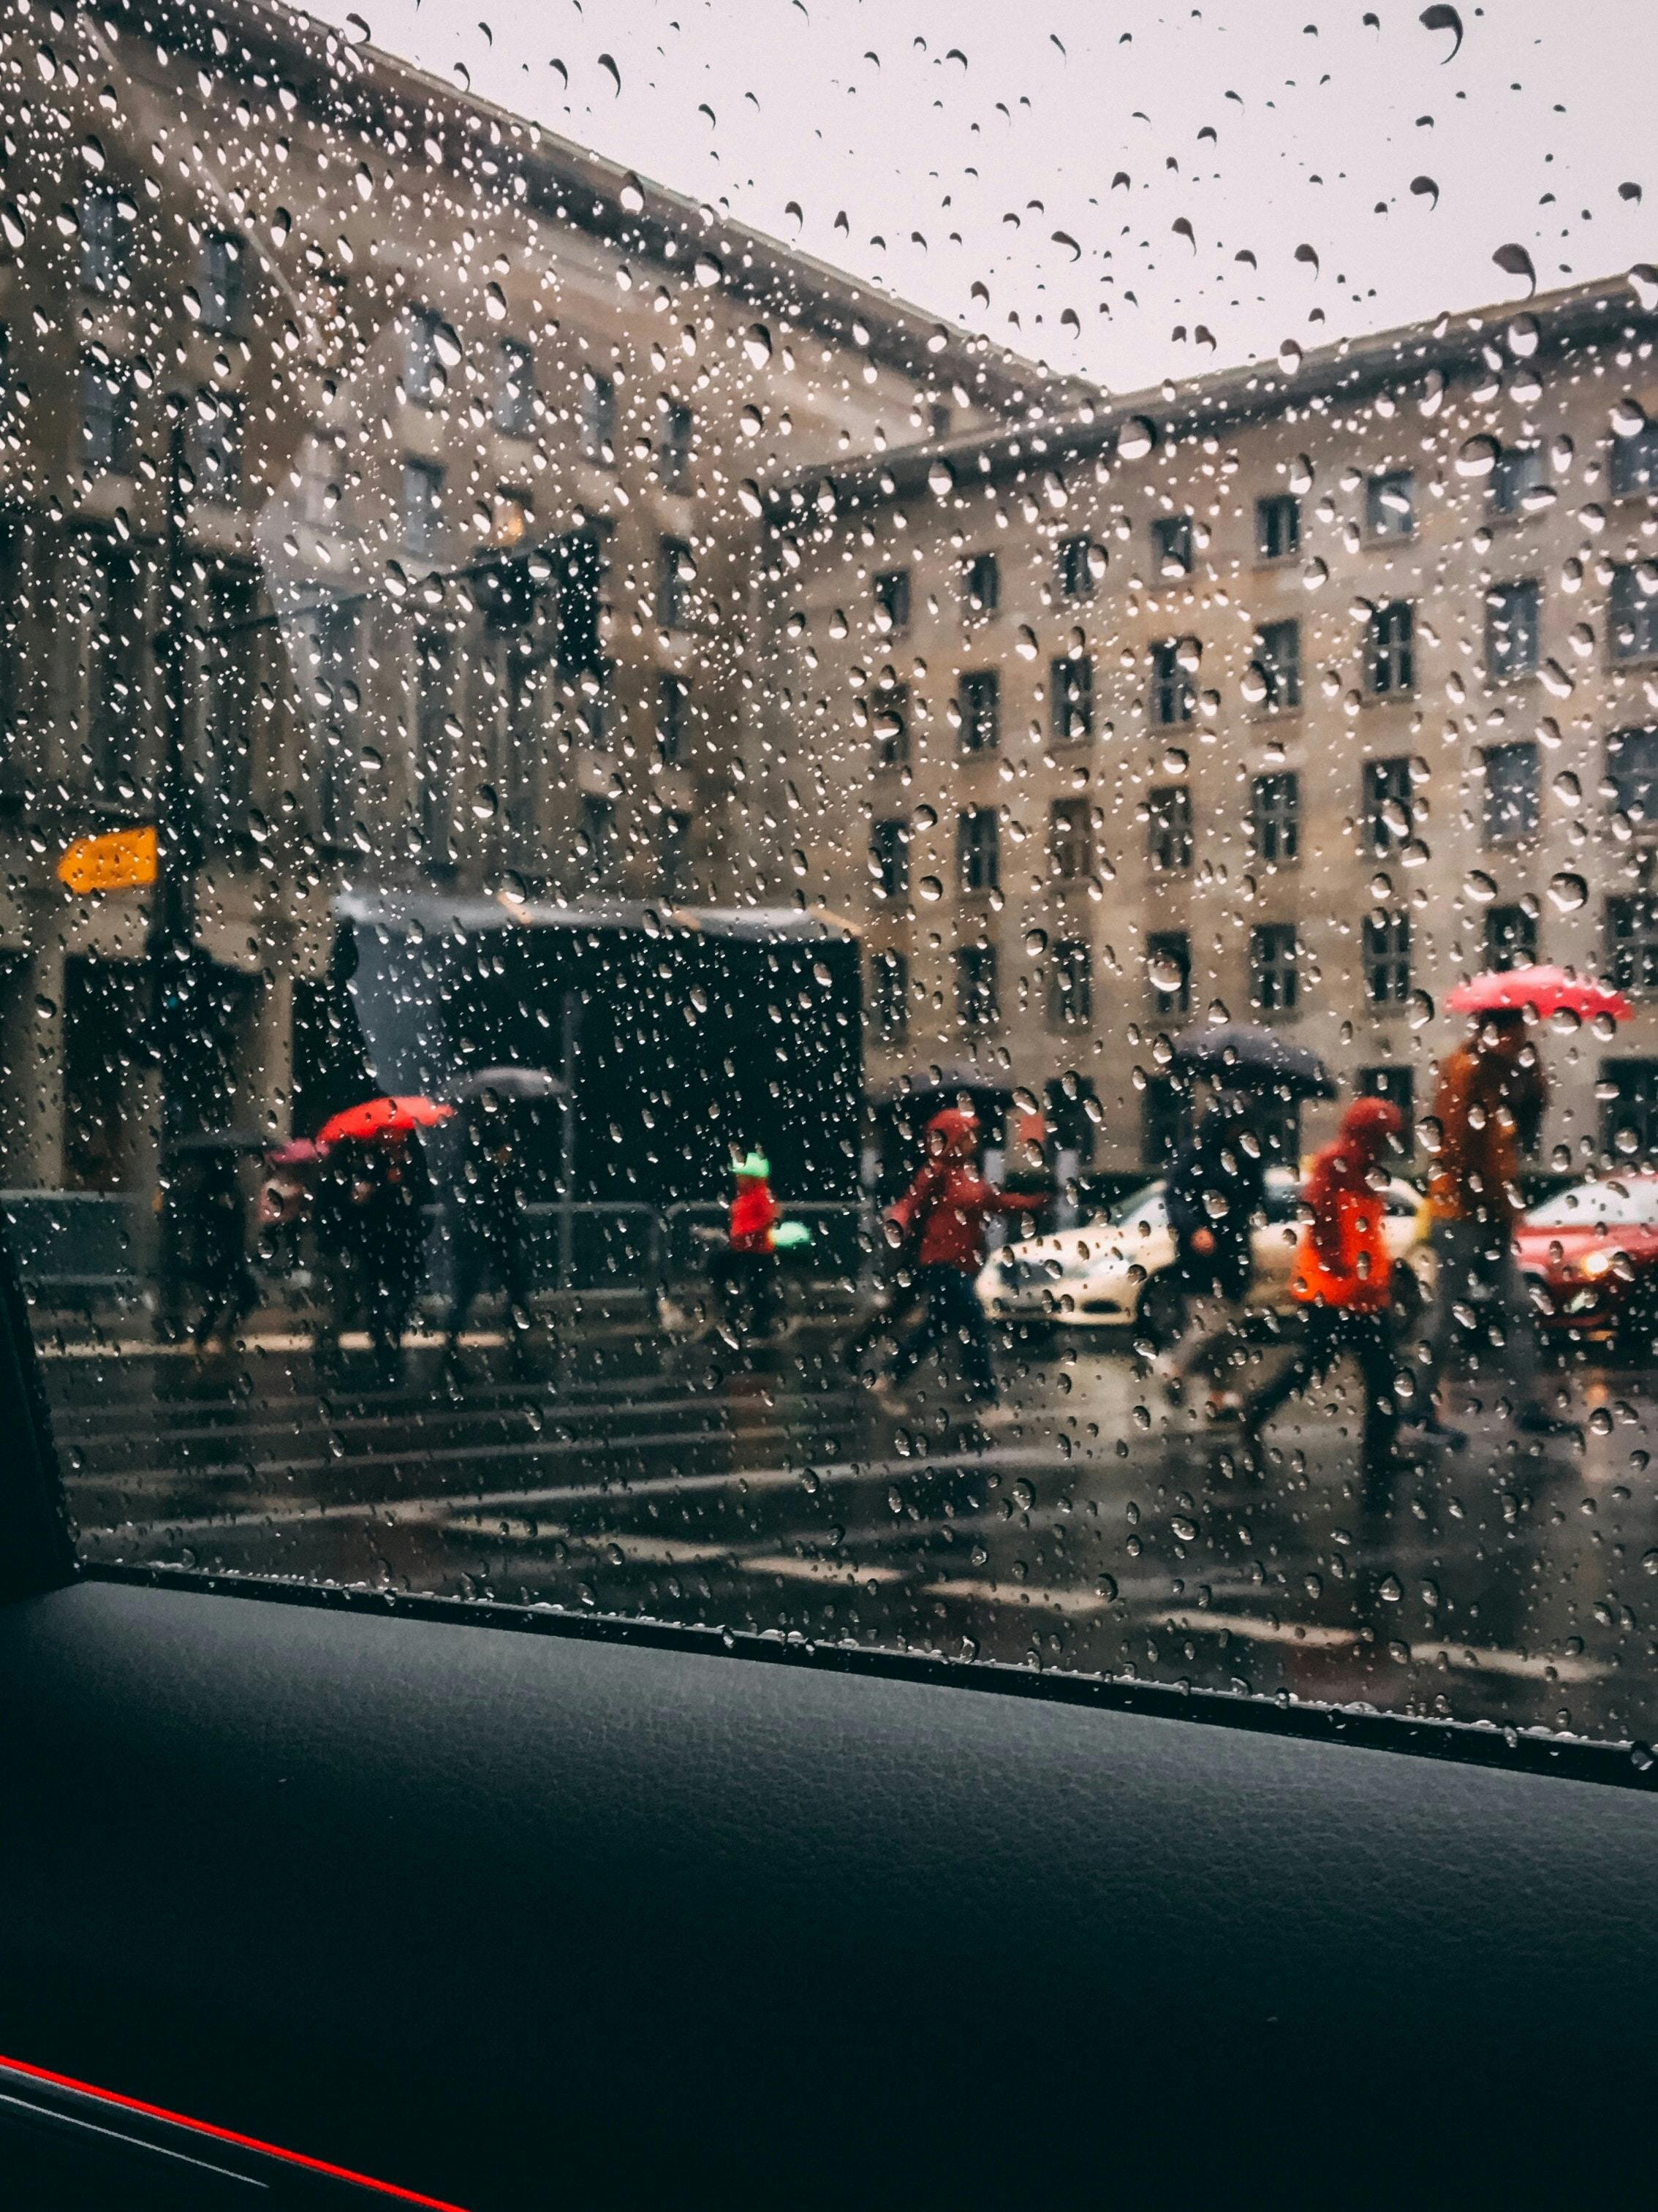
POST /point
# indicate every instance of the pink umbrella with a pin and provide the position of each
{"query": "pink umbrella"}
(1543, 990)
(298, 1153)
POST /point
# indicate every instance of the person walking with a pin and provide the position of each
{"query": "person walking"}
(1342, 1282)
(1216, 1192)
(392, 1198)
(1489, 1102)
(748, 1263)
(941, 1217)
(219, 1238)
(488, 1225)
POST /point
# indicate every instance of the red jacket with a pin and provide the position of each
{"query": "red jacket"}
(947, 1205)
(754, 1216)
(1343, 1259)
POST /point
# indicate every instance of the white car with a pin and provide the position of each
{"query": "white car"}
(1112, 1274)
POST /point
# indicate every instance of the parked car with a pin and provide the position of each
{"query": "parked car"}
(1589, 1256)
(1113, 1272)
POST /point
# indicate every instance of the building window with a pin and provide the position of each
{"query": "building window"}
(1075, 568)
(515, 389)
(1169, 814)
(889, 858)
(1518, 470)
(433, 746)
(1511, 630)
(1277, 527)
(1511, 793)
(984, 584)
(1629, 1114)
(221, 283)
(889, 725)
(889, 977)
(423, 372)
(1168, 970)
(579, 570)
(1632, 773)
(672, 700)
(673, 852)
(1278, 666)
(1510, 937)
(1390, 504)
(977, 1005)
(230, 663)
(422, 505)
(676, 571)
(1070, 840)
(892, 600)
(1633, 612)
(1632, 464)
(106, 239)
(978, 850)
(1390, 657)
(596, 839)
(1273, 967)
(674, 458)
(1072, 695)
(980, 710)
(1171, 545)
(1171, 692)
(1388, 804)
(1632, 943)
(1071, 985)
(115, 662)
(106, 413)
(1397, 1086)
(1275, 817)
(598, 417)
(1387, 958)
(214, 446)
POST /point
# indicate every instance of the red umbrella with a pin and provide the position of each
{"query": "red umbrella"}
(1545, 991)
(383, 1117)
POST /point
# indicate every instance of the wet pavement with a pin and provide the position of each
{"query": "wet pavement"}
(1078, 1526)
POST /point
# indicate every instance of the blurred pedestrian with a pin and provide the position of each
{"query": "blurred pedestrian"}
(487, 1223)
(337, 1199)
(218, 1229)
(392, 1200)
(1216, 1194)
(941, 1220)
(748, 1263)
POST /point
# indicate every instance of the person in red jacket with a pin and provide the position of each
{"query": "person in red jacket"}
(942, 1217)
(1342, 1278)
(750, 1257)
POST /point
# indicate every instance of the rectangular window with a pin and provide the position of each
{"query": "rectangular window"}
(1070, 840)
(515, 389)
(889, 979)
(106, 238)
(106, 413)
(1074, 569)
(1072, 683)
(1168, 970)
(1071, 985)
(214, 447)
(1273, 967)
(1629, 1110)
(578, 571)
(1632, 943)
(673, 852)
(1171, 692)
(889, 725)
(230, 663)
(978, 850)
(1171, 545)
(674, 462)
(422, 505)
(1168, 816)
(1388, 810)
(598, 417)
(1510, 937)
(1390, 659)
(676, 571)
(977, 1003)
(1387, 958)
(892, 600)
(1278, 665)
(1632, 613)
(1275, 817)
(1511, 611)
(889, 858)
(980, 709)
(1397, 1086)
(672, 700)
(423, 372)
(1390, 505)
(1277, 527)
(596, 840)
(434, 748)
(1632, 774)
(1511, 793)
(221, 283)
(1518, 470)
(984, 584)
(1632, 464)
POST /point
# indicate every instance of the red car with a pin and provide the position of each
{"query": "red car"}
(1589, 1256)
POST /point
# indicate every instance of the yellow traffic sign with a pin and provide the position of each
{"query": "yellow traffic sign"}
(119, 860)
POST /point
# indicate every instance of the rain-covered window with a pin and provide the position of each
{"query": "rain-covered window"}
(1275, 973)
(1390, 657)
(1278, 662)
(1278, 526)
(1073, 698)
(1169, 814)
(1632, 611)
(980, 710)
(1511, 611)
(978, 849)
(983, 584)
(1275, 811)
(1518, 472)
(1513, 793)
(1171, 694)
(1171, 545)
(1390, 504)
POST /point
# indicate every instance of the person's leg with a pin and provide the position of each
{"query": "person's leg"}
(970, 1329)
(1186, 1354)
(929, 1331)
(469, 1281)
(1457, 1284)
(1308, 1360)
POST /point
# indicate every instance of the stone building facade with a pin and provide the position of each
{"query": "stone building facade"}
(1298, 694)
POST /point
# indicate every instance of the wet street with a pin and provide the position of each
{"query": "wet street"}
(1078, 1526)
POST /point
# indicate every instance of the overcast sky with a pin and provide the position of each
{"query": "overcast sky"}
(969, 154)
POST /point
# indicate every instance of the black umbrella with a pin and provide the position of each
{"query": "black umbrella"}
(942, 1085)
(530, 1082)
(1239, 1056)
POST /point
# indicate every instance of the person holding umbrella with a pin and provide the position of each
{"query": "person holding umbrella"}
(370, 1212)
(487, 1197)
(1216, 1192)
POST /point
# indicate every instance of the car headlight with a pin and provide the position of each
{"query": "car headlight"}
(1599, 1263)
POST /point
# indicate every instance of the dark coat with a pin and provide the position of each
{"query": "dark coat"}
(1217, 1164)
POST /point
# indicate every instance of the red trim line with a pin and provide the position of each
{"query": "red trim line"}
(225, 2135)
